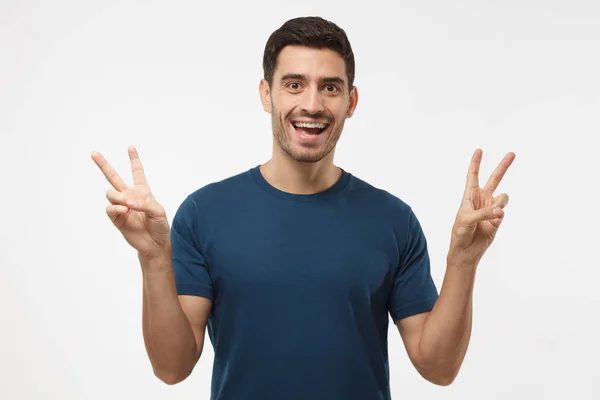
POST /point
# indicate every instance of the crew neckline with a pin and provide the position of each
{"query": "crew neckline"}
(339, 185)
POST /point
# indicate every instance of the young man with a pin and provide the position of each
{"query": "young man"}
(295, 265)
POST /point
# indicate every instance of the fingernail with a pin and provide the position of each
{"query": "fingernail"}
(132, 203)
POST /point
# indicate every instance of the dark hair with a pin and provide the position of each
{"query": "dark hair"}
(313, 32)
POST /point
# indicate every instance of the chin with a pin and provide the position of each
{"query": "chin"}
(307, 155)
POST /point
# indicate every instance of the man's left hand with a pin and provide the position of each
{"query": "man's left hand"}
(480, 214)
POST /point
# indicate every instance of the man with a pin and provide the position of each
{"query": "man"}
(294, 265)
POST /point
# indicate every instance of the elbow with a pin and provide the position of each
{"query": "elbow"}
(438, 375)
(443, 381)
(174, 373)
(442, 378)
(171, 377)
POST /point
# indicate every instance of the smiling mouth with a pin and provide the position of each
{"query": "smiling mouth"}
(309, 128)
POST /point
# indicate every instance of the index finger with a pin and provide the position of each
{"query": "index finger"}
(139, 178)
(109, 172)
(499, 172)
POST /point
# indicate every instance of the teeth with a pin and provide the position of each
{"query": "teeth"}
(309, 125)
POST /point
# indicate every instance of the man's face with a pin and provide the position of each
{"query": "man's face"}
(308, 101)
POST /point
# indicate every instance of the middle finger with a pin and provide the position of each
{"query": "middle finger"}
(499, 172)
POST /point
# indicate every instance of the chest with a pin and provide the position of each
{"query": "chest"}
(288, 260)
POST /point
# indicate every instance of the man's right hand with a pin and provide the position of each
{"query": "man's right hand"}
(144, 223)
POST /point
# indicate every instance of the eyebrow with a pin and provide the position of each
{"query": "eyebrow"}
(326, 79)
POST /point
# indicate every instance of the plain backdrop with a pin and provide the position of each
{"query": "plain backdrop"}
(179, 80)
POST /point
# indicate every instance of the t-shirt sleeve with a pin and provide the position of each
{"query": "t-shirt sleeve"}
(413, 289)
(191, 273)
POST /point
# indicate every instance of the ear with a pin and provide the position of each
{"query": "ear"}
(265, 95)
(353, 102)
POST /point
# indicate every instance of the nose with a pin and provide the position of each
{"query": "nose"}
(312, 102)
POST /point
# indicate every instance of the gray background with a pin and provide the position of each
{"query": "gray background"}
(179, 80)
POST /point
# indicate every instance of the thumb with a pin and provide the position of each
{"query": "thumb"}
(148, 206)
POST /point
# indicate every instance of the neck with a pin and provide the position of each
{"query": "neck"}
(291, 176)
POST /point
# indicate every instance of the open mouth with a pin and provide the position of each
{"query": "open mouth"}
(309, 128)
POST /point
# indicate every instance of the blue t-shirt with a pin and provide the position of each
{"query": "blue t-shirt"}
(302, 285)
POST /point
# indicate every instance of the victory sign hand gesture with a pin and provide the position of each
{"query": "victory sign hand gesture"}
(480, 213)
(133, 209)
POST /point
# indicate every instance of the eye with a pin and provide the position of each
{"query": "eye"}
(293, 85)
(331, 88)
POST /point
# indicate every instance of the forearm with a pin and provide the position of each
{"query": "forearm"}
(447, 330)
(168, 336)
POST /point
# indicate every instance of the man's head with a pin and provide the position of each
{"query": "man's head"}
(308, 79)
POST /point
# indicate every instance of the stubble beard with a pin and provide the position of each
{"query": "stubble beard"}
(304, 154)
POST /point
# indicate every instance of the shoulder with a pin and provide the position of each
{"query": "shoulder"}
(216, 195)
(382, 199)
(221, 190)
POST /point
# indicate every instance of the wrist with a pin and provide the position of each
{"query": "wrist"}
(160, 259)
(460, 262)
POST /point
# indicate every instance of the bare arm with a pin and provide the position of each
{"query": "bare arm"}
(173, 326)
(437, 341)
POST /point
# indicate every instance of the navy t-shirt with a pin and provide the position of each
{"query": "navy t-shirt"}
(303, 286)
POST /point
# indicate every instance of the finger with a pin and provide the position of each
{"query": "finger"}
(499, 172)
(501, 200)
(114, 210)
(473, 174)
(483, 214)
(497, 222)
(113, 178)
(115, 197)
(136, 167)
(148, 207)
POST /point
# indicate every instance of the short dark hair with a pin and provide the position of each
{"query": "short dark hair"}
(314, 32)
